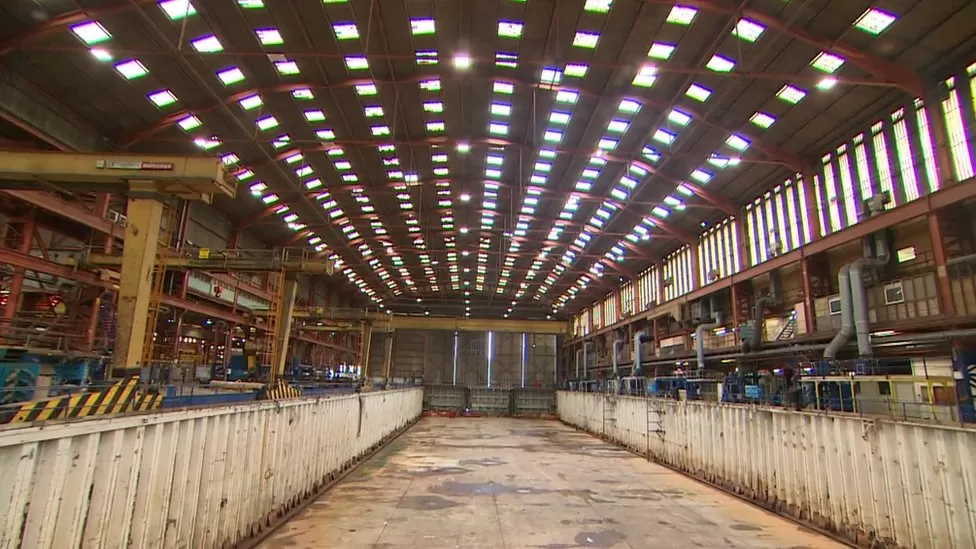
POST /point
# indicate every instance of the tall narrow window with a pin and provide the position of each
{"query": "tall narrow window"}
(751, 231)
(704, 259)
(830, 195)
(962, 161)
(822, 212)
(928, 147)
(772, 226)
(761, 232)
(847, 183)
(863, 169)
(883, 161)
(805, 209)
(795, 221)
(905, 161)
(782, 222)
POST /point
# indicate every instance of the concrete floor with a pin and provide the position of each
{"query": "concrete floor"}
(506, 483)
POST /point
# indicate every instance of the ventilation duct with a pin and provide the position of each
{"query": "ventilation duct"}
(705, 327)
(616, 356)
(639, 338)
(759, 313)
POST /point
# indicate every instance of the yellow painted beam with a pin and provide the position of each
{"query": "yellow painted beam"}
(135, 284)
(398, 322)
(189, 177)
(217, 262)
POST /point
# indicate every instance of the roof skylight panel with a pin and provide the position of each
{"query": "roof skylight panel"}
(420, 27)
(645, 77)
(510, 29)
(874, 21)
(269, 37)
(207, 44)
(679, 117)
(791, 94)
(737, 142)
(91, 32)
(132, 69)
(827, 62)
(189, 122)
(267, 123)
(682, 15)
(207, 143)
(345, 31)
(664, 136)
(162, 98)
(748, 30)
(584, 39)
(597, 6)
(431, 85)
(506, 60)
(287, 67)
(550, 77)
(661, 50)
(698, 92)
(762, 120)
(250, 102)
(427, 57)
(303, 94)
(701, 176)
(356, 62)
(230, 75)
(576, 70)
(719, 63)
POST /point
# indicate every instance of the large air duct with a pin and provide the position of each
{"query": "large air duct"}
(705, 327)
(616, 356)
(759, 313)
(859, 297)
(639, 338)
(586, 345)
(846, 314)
(578, 353)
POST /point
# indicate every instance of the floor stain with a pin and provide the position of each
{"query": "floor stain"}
(606, 538)
(745, 528)
(438, 471)
(427, 503)
(483, 462)
(484, 489)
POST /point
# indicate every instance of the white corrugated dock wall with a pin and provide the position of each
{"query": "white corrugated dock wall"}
(190, 479)
(879, 483)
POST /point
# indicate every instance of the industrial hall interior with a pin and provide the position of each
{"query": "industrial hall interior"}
(488, 274)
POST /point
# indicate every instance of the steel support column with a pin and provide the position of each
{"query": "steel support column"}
(946, 304)
(809, 320)
(388, 357)
(27, 231)
(283, 327)
(135, 284)
(365, 339)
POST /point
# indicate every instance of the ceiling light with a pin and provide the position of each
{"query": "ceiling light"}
(250, 102)
(645, 77)
(463, 147)
(100, 54)
(287, 67)
(826, 83)
(303, 94)
(597, 6)
(462, 61)
(465, 197)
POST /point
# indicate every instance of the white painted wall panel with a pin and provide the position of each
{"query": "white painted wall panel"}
(204, 478)
(878, 482)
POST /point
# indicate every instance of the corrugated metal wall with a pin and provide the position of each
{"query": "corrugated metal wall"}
(540, 360)
(197, 478)
(506, 360)
(472, 360)
(438, 357)
(880, 483)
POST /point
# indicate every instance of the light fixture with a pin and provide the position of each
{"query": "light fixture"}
(462, 61)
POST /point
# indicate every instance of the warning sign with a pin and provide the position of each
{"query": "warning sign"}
(135, 165)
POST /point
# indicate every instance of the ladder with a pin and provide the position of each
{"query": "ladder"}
(609, 412)
(789, 330)
(655, 423)
(272, 344)
(163, 250)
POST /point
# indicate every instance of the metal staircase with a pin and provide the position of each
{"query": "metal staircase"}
(789, 330)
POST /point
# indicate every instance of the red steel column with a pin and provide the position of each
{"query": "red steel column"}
(17, 282)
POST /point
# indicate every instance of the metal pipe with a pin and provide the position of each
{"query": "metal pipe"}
(639, 338)
(585, 346)
(759, 311)
(846, 314)
(616, 356)
(705, 327)
(578, 353)
(858, 296)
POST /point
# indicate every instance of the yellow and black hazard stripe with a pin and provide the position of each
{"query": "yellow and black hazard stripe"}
(119, 398)
(280, 391)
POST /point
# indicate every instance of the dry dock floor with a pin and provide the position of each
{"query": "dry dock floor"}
(479, 483)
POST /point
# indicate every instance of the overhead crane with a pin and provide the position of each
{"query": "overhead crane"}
(148, 181)
(232, 260)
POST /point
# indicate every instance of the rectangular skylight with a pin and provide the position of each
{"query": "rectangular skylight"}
(250, 102)
(250, 4)
(551, 77)
(162, 98)
(345, 31)
(567, 96)
(748, 30)
(433, 106)
(645, 77)
(422, 26)
(379, 130)
(559, 117)
(762, 120)
(269, 37)
(664, 136)
(327, 135)
(701, 176)
(618, 126)
(719, 63)
(576, 70)
(791, 94)
(507, 60)
(737, 142)
(230, 159)
(431, 85)
(679, 117)
(207, 44)
(509, 29)
(506, 88)
(287, 67)
(373, 111)
(553, 136)
(207, 143)
(101, 55)
(497, 128)
(501, 109)
(435, 126)
(874, 21)
(91, 32)
(597, 6)
(303, 94)
(827, 62)
(682, 15)
(356, 62)
(607, 144)
(132, 69)
(230, 75)
(267, 122)
(314, 115)
(629, 106)
(427, 58)
(585, 39)
(660, 50)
